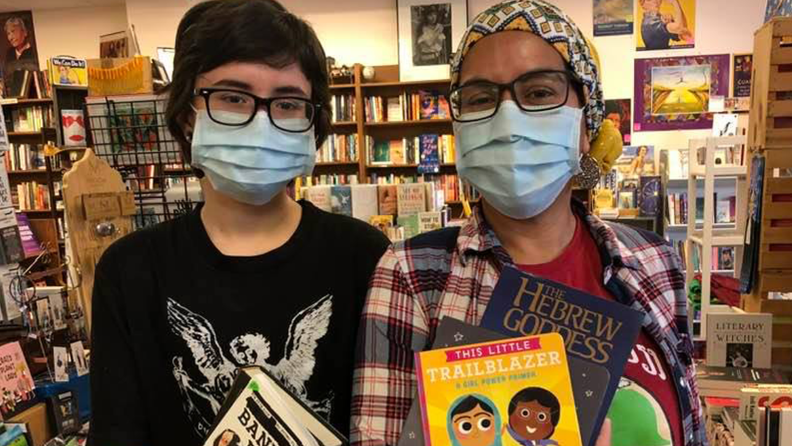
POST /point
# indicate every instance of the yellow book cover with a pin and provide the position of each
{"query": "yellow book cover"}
(515, 392)
(68, 71)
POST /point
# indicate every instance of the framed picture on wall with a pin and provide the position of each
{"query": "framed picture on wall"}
(620, 112)
(665, 25)
(778, 8)
(18, 51)
(673, 93)
(429, 31)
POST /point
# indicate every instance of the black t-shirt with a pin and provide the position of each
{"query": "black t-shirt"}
(173, 318)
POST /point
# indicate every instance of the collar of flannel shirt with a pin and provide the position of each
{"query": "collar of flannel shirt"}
(477, 236)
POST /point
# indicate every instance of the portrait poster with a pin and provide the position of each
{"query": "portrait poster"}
(18, 51)
(778, 8)
(634, 162)
(665, 24)
(742, 67)
(673, 93)
(613, 17)
(429, 31)
(620, 112)
(115, 45)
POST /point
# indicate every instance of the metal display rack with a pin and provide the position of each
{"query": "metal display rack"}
(130, 134)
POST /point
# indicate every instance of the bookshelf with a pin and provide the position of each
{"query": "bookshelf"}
(706, 235)
(386, 84)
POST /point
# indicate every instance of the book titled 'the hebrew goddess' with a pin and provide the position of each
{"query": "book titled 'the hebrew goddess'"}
(596, 330)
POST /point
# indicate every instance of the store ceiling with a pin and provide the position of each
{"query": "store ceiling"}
(17, 5)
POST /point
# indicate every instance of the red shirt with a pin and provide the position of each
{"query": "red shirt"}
(645, 410)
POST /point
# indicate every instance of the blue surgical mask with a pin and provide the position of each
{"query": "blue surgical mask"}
(251, 163)
(519, 161)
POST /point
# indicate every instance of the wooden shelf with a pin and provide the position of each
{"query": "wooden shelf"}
(409, 123)
(24, 102)
(337, 164)
(341, 86)
(344, 123)
(24, 134)
(407, 84)
(39, 211)
(29, 172)
(719, 240)
(404, 166)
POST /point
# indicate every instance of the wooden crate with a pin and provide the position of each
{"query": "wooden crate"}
(782, 326)
(776, 235)
(771, 88)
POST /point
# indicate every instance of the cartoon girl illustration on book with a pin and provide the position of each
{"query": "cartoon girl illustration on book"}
(473, 420)
(533, 416)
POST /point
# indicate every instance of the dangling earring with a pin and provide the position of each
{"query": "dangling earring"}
(589, 177)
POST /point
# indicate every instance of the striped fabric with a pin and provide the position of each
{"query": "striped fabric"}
(445, 273)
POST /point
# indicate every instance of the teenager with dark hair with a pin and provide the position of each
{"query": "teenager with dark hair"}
(250, 277)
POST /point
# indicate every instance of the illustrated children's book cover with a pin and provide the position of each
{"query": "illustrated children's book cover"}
(588, 381)
(596, 330)
(512, 392)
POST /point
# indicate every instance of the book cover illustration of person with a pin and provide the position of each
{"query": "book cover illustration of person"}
(473, 420)
(228, 438)
(533, 416)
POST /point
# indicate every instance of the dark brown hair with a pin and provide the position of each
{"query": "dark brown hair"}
(216, 32)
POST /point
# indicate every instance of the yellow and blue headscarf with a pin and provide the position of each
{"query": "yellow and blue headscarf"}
(551, 24)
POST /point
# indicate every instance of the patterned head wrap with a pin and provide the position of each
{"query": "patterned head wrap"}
(551, 24)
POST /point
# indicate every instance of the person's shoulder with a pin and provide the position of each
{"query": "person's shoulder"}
(428, 251)
(651, 251)
(138, 244)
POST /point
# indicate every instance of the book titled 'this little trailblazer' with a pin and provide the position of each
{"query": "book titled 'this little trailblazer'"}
(483, 394)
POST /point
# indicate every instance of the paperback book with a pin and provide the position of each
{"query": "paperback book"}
(260, 411)
(518, 389)
(598, 331)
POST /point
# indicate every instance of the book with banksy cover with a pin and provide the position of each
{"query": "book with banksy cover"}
(482, 394)
(588, 381)
(260, 411)
(596, 330)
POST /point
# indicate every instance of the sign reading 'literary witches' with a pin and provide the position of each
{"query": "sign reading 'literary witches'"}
(742, 340)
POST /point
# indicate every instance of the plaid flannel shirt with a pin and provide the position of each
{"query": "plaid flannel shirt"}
(419, 281)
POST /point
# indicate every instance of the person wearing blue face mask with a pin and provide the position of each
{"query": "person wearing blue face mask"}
(250, 277)
(527, 104)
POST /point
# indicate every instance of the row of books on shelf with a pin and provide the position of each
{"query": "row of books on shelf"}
(762, 416)
(28, 84)
(427, 151)
(409, 106)
(31, 196)
(29, 119)
(343, 108)
(323, 180)
(448, 184)
(24, 157)
(725, 209)
(339, 149)
(722, 256)
(363, 201)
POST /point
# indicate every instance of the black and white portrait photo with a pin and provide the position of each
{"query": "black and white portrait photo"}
(431, 31)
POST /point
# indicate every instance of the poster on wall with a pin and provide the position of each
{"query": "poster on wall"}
(17, 50)
(778, 8)
(429, 31)
(620, 112)
(665, 24)
(613, 17)
(742, 66)
(673, 93)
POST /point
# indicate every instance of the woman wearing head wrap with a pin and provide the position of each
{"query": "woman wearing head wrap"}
(527, 104)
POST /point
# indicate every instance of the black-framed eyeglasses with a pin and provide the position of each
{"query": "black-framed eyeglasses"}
(238, 108)
(533, 92)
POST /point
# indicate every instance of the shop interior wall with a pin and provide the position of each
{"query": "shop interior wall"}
(365, 31)
(75, 31)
